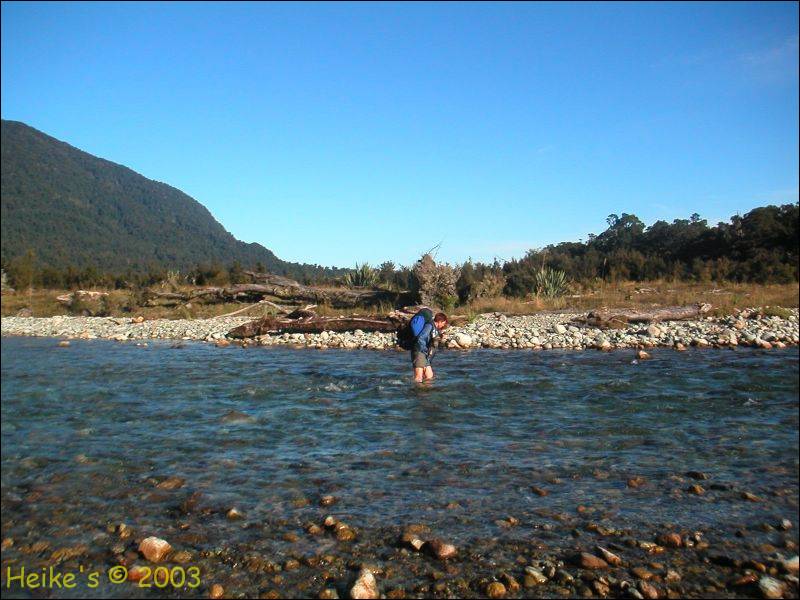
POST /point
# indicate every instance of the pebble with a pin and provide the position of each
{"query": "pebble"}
(234, 514)
(464, 340)
(534, 576)
(365, 586)
(791, 565)
(609, 556)
(495, 590)
(746, 579)
(770, 587)
(590, 561)
(171, 483)
(442, 550)
(217, 591)
(670, 540)
(344, 533)
(648, 590)
(750, 496)
(154, 549)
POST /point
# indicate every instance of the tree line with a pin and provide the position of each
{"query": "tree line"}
(759, 247)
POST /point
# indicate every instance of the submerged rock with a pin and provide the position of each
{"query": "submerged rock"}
(770, 587)
(590, 561)
(171, 483)
(441, 550)
(234, 416)
(234, 514)
(365, 586)
(792, 565)
(609, 556)
(495, 590)
(216, 591)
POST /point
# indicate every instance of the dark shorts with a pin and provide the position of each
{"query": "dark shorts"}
(419, 360)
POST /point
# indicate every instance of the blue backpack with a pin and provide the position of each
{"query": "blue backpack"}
(407, 335)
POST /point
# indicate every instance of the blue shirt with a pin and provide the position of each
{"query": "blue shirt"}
(424, 338)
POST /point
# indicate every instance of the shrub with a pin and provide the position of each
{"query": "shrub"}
(361, 276)
(436, 283)
(550, 283)
(490, 286)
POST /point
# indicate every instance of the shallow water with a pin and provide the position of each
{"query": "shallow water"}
(89, 428)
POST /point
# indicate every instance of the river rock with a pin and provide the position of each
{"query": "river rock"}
(234, 417)
(495, 590)
(609, 556)
(441, 550)
(365, 587)
(171, 483)
(648, 590)
(464, 340)
(534, 576)
(217, 591)
(770, 587)
(590, 561)
(559, 329)
(654, 331)
(154, 549)
(791, 565)
(344, 533)
(234, 514)
(670, 540)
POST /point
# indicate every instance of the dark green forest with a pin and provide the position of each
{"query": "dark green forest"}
(81, 216)
(70, 219)
(759, 247)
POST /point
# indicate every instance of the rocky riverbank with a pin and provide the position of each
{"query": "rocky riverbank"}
(544, 331)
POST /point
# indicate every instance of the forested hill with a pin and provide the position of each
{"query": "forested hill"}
(74, 210)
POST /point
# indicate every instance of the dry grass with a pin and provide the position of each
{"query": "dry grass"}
(724, 298)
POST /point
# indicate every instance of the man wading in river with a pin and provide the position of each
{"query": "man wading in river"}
(421, 337)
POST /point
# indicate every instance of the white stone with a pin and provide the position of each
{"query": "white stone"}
(463, 340)
(365, 587)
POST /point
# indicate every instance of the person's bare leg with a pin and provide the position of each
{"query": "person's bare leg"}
(428, 372)
(418, 373)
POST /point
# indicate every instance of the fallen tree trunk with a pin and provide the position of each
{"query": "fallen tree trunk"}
(313, 325)
(605, 318)
(306, 321)
(288, 289)
(277, 287)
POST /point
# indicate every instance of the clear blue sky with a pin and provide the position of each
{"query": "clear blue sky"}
(333, 133)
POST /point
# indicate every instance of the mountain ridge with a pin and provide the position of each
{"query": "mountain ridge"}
(74, 209)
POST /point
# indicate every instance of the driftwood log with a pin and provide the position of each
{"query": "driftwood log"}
(275, 286)
(312, 325)
(306, 321)
(605, 318)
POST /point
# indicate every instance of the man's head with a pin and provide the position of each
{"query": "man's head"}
(440, 321)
